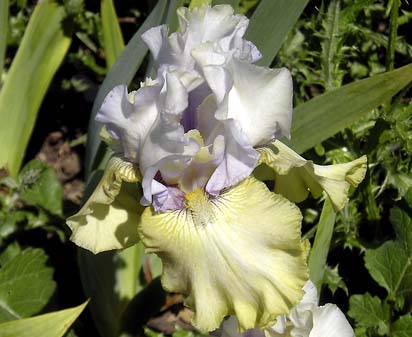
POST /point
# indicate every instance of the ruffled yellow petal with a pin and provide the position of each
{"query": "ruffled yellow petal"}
(240, 253)
(108, 220)
(295, 176)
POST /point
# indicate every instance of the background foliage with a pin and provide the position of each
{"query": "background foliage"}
(346, 105)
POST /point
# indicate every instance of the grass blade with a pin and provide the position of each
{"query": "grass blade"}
(54, 324)
(4, 22)
(42, 49)
(271, 23)
(323, 116)
(122, 72)
(112, 35)
(320, 249)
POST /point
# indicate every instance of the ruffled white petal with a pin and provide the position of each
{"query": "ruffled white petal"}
(156, 39)
(167, 134)
(260, 99)
(129, 117)
(329, 321)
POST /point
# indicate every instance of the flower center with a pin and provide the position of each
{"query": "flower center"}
(197, 202)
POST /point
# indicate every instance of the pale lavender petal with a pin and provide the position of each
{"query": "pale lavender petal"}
(167, 134)
(152, 187)
(238, 162)
(129, 117)
(196, 97)
(156, 39)
(174, 201)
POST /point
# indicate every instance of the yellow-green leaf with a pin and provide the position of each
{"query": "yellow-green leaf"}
(197, 3)
(271, 23)
(42, 49)
(54, 324)
(327, 114)
(4, 22)
(112, 34)
(319, 252)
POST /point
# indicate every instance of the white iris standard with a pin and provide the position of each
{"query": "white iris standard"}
(185, 144)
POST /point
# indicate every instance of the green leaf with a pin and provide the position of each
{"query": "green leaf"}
(9, 253)
(370, 312)
(197, 3)
(323, 116)
(319, 252)
(233, 3)
(333, 280)
(388, 265)
(151, 333)
(351, 11)
(41, 187)
(54, 324)
(122, 72)
(112, 35)
(41, 51)
(171, 17)
(402, 327)
(26, 285)
(4, 22)
(270, 25)
(110, 279)
(402, 224)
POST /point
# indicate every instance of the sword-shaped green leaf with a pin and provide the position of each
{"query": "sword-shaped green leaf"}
(271, 23)
(112, 35)
(319, 252)
(323, 116)
(54, 324)
(4, 22)
(42, 50)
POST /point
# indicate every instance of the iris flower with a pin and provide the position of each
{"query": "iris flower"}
(191, 139)
(307, 319)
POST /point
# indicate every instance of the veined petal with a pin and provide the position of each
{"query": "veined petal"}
(296, 176)
(108, 220)
(329, 321)
(240, 253)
